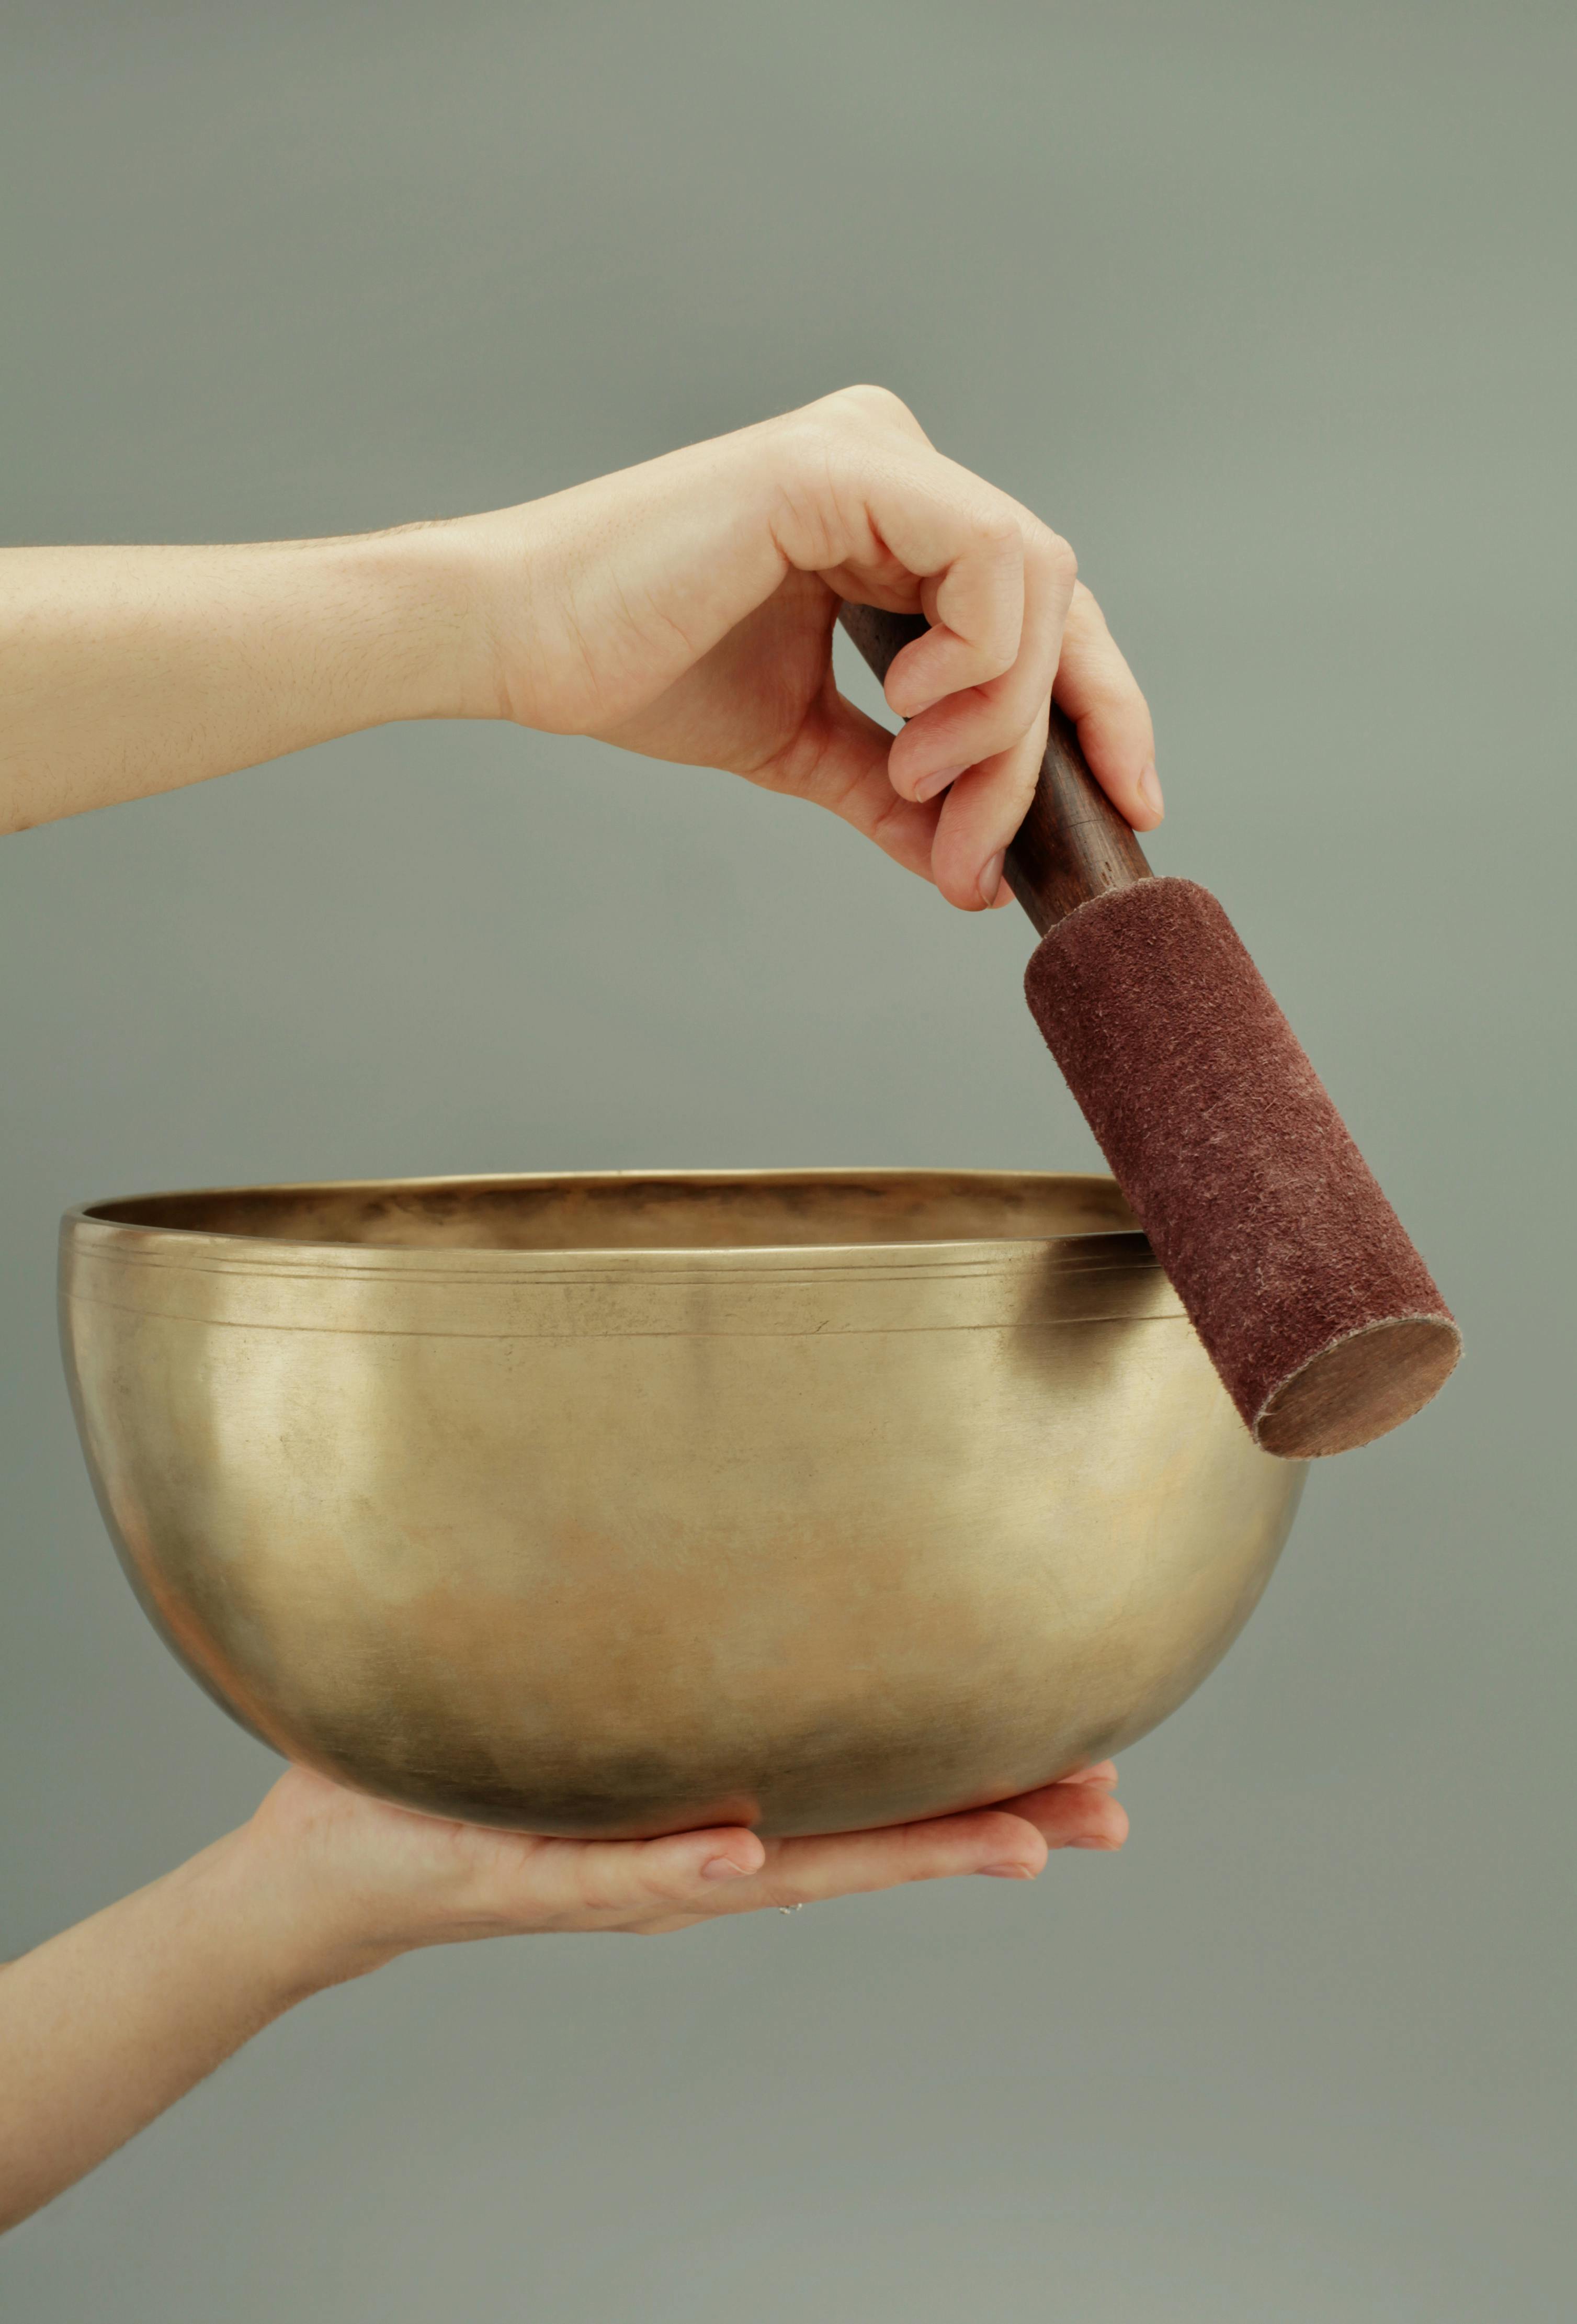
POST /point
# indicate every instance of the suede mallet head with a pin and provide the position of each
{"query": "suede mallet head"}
(1323, 1321)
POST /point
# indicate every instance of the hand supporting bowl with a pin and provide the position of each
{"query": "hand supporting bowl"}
(623, 1504)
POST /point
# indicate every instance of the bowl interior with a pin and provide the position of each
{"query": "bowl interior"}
(649, 1211)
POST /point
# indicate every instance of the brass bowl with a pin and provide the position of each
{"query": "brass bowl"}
(620, 1504)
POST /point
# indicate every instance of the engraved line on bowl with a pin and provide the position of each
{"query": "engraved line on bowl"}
(771, 1332)
(844, 1263)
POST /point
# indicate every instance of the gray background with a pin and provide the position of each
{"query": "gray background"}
(1266, 307)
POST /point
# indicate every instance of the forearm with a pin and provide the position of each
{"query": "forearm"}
(126, 671)
(105, 2026)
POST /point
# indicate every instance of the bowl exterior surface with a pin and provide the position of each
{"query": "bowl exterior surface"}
(806, 1532)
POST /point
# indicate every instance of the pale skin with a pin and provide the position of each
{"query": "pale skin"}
(682, 610)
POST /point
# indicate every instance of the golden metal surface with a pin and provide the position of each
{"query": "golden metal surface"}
(619, 1504)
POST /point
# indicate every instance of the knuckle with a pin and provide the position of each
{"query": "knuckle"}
(872, 402)
(808, 437)
(1060, 561)
(818, 482)
(996, 526)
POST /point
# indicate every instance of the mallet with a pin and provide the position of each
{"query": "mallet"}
(1323, 1321)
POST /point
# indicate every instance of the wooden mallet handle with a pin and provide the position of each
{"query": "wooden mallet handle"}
(1072, 843)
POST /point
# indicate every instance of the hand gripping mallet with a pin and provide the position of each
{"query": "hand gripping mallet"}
(1323, 1321)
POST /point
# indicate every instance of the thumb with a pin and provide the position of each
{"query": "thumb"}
(732, 1852)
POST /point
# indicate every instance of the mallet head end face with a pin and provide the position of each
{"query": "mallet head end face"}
(1361, 1388)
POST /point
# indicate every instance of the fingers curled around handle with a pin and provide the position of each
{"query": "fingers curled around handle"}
(981, 715)
(978, 749)
(862, 499)
(984, 798)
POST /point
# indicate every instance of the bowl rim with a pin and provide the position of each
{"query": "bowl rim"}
(94, 1222)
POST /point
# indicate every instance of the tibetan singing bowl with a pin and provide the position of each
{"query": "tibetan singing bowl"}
(621, 1504)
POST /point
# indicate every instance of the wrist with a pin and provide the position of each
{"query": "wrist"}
(282, 1928)
(412, 605)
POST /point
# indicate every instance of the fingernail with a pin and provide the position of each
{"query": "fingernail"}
(990, 879)
(930, 785)
(722, 1867)
(1149, 789)
(1107, 1845)
(1007, 1872)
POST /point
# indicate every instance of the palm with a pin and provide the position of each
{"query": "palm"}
(757, 703)
(404, 1879)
